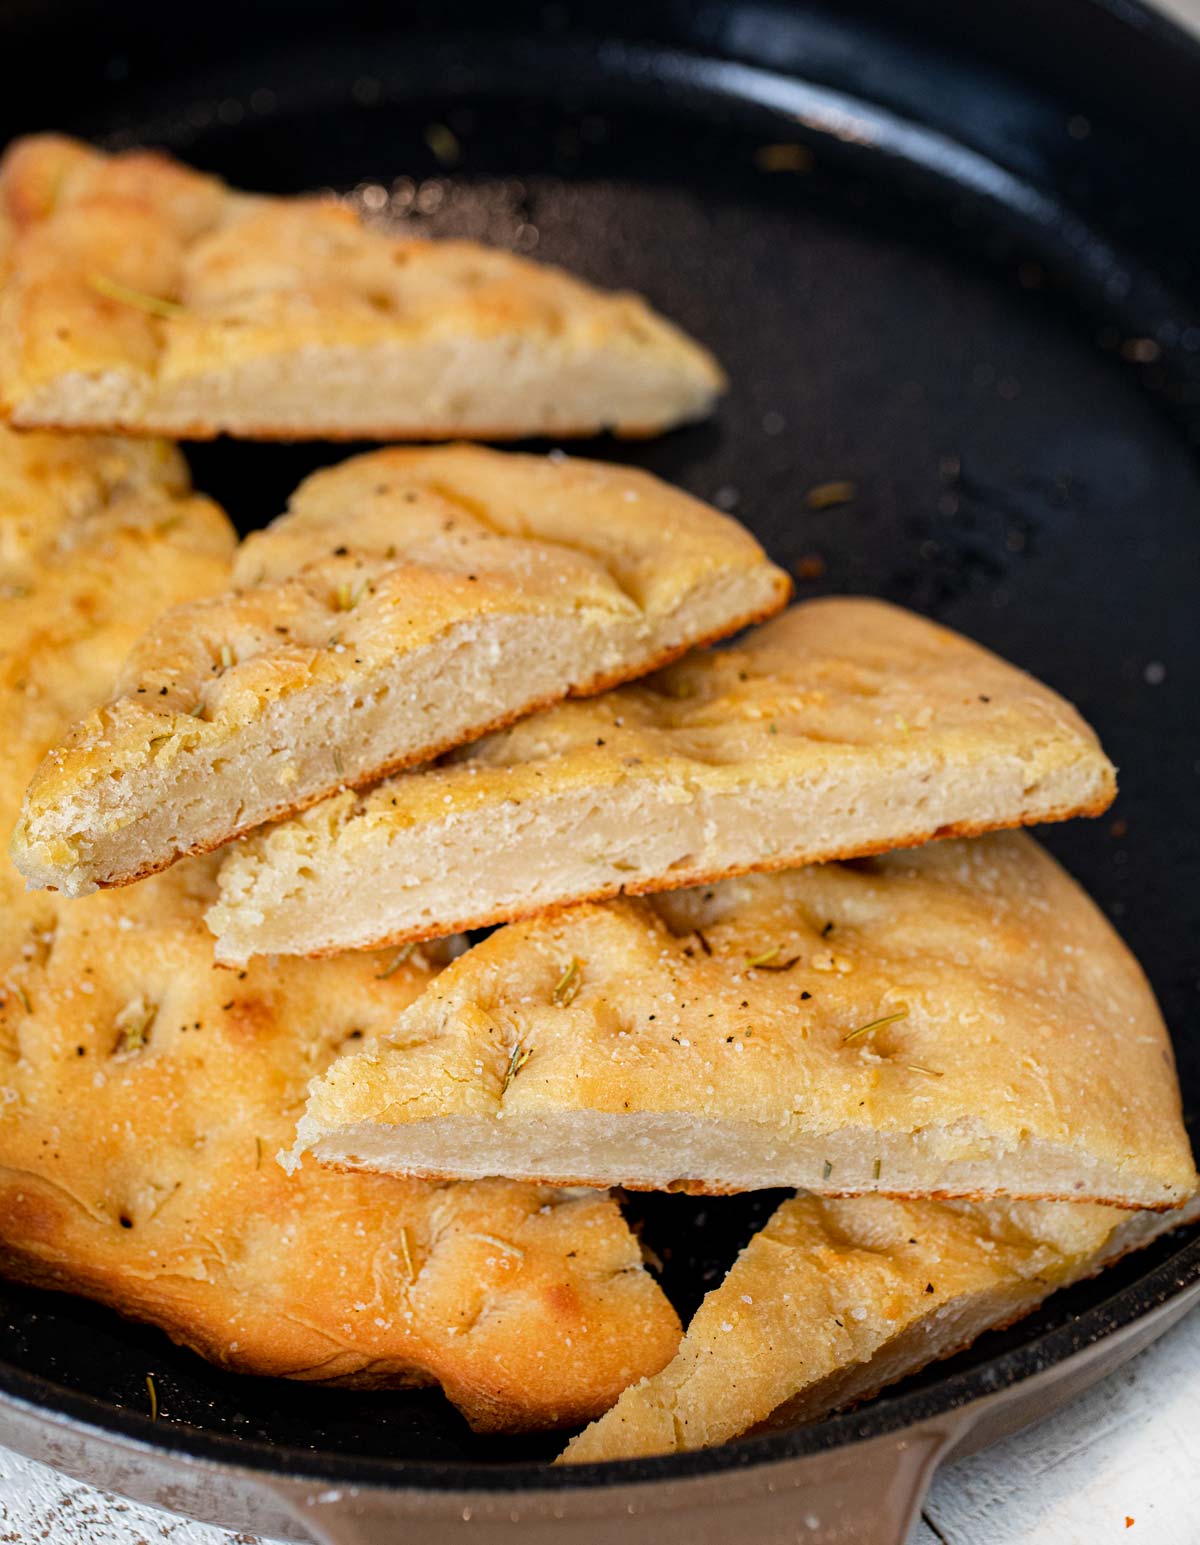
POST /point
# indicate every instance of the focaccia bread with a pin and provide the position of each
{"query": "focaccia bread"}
(834, 1300)
(144, 1093)
(408, 601)
(952, 1020)
(97, 536)
(142, 296)
(844, 727)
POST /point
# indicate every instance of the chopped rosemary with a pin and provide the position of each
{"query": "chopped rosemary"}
(24, 997)
(444, 143)
(406, 1252)
(825, 495)
(878, 1167)
(783, 158)
(520, 1056)
(338, 765)
(133, 1028)
(567, 985)
(915, 1067)
(777, 965)
(398, 960)
(874, 1024)
(704, 944)
(226, 657)
(503, 1245)
(346, 597)
(762, 960)
(153, 1393)
(826, 1170)
(258, 1153)
(156, 305)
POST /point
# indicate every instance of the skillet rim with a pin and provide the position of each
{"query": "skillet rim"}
(1050, 1351)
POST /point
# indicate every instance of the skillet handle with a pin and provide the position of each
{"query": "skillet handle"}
(866, 1493)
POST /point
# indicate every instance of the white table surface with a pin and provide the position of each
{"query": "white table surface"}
(1122, 1463)
(1128, 1450)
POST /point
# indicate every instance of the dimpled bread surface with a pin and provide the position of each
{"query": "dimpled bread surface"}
(145, 297)
(145, 1093)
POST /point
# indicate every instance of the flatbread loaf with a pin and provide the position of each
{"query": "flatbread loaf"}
(952, 1020)
(145, 297)
(834, 1300)
(408, 601)
(843, 727)
(144, 1093)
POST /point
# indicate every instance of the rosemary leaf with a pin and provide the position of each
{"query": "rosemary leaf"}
(133, 1029)
(406, 1252)
(155, 305)
(520, 1056)
(567, 985)
(396, 962)
(874, 1024)
(826, 495)
(503, 1245)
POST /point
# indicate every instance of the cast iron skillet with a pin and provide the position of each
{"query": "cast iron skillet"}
(972, 292)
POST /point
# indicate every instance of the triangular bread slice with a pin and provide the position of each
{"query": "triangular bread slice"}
(843, 727)
(144, 297)
(408, 601)
(144, 1092)
(952, 1020)
(834, 1300)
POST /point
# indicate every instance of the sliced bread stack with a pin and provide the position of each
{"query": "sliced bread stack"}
(732, 957)
(452, 688)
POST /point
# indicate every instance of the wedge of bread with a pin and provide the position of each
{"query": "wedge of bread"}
(953, 1020)
(145, 297)
(408, 600)
(843, 727)
(834, 1300)
(144, 1093)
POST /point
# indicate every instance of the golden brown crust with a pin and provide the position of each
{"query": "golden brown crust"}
(144, 296)
(211, 430)
(596, 686)
(845, 727)
(706, 1188)
(144, 1093)
(691, 879)
(834, 1300)
(954, 1020)
(411, 598)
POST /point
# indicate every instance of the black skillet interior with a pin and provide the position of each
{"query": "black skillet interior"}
(966, 288)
